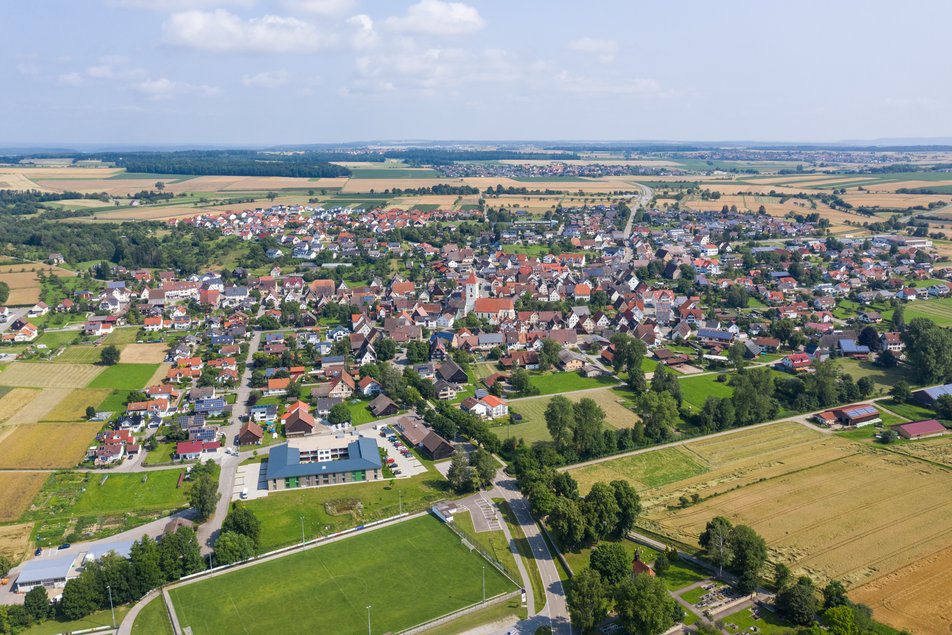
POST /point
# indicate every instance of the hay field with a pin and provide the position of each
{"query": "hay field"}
(47, 446)
(40, 375)
(143, 354)
(24, 286)
(14, 401)
(827, 506)
(533, 427)
(72, 406)
(892, 200)
(79, 354)
(892, 187)
(20, 182)
(38, 407)
(17, 489)
(61, 173)
(15, 539)
(113, 187)
(907, 599)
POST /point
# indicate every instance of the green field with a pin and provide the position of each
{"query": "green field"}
(646, 470)
(407, 573)
(768, 624)
(533, 426)
(330, 509)
(124, 376)
(124, 335)
(696, 390)
(115, 402)
(98, 619)
(938, 310)
(557, 383)
(54, 339)
(153, 619)
(132, 491)
(883, 378)
(81, 354)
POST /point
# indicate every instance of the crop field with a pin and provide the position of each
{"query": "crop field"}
(15, 540)
(17, 489)
(828, 507)
(436, 575)
(23, 283)
(72, 406)
(38, 375)
(38, 408)
(643, 471)
(47, 446)
(14, 401)
(143, 354)
(125, 376)
(533, 428)
(79, 354)
(938, 310)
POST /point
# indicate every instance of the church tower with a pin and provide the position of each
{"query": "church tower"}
(470, 293)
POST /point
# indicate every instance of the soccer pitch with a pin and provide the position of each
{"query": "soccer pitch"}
(407, 573)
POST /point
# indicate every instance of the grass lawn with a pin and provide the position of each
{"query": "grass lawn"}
(124, 376)
(495, 613)
(434, 574)
(533, 428)
(911, 411)
(153, 619)
(132, 491)
(938, 310)
(768, 623)
(695, 390)
(80, 354)
(124, 335)
(360, 413)
(556, 383)
(883, 378)
(643, 471)
(525, 552)
(494, 542)
(694, 595)
(94, 620)
(329, 509)
(55, 339)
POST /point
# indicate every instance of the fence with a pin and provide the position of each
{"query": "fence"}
(473, 543)
(449, 617)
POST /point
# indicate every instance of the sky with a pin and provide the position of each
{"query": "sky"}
(268, 72)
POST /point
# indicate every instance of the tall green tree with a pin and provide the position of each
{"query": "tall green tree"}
(798, 602)
(243, 520)
(589, 425)
(645, 606)
(80, 596)
(716, 541)
(587, 599)
(611, 561)
(37, 604)
(665, 381)
(929, 350)
(484, 467)
(560, 421)
(601, 509)
(750, 554)
(568, 522)
(109, 356)
(459, 473)
(629, 506)
(203, 495)
(233, 547)
(146, 565)
(179, 554)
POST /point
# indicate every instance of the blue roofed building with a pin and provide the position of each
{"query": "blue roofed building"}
(318, 460)
(928, 396)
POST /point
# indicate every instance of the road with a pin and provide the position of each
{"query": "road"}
(641, 201)
(15, 314)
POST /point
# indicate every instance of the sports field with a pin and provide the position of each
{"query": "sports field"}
(407, 573)
(125, 376)
(47, 445)
(533, 428)
(827, 506)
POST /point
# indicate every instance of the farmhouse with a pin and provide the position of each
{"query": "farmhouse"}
(383, 406)
(323, 460)
(250, 434)
(920, 429)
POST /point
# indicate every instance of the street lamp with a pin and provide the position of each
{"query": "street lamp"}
(368, 620)
(302, 529)
(484, 583)
(111, 609)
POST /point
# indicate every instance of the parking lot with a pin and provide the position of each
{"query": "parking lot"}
(404, 463)
(254, 477)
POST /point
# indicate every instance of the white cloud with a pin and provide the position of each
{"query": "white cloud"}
(178, 5)
(222, 31)
(431, 71)
(266, 79)
(114, 67)
(28, 68)
(437, 17)
(567, 82)
(70, 79)
(164, 88)
(366, 36)
(327, 8)
(604, 50)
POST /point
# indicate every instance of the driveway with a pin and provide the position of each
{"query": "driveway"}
(252, 477)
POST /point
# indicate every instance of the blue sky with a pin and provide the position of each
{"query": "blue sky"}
(316, 71)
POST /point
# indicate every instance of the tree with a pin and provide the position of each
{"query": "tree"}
(233, 547)
(386, 349)
(601, 510)
(146, 565)
(753, 396)
(901, 392)
(628, 352)
(899, 317)
(418, 351)
(459, 474)
(4, 292)
(929, 350)
(645, 607)
(159, 185)
(549, 354)
(782, 576)
(243, 521)
(339, 414)
(736, 355)
(629, 506)
(37, 604)
(637, 381)
(484, 467)
(587, 599)
(564, 485)
(80, 596)
(840, 620)
(834, 594)
(203, 494)
(887, 437)
(560, 421)
(943, 407)
(521, 382)
(887, 359)
(661, 564)
(589, 422)
(869, 336)
(611, 561)
(659, 413)
(750, 553)
(179, 554)
(716, 540)
(865, 386)
(568, 522)
(665, 381)
(109, 356)
(798, 602)
(271, 196)
(90, 412)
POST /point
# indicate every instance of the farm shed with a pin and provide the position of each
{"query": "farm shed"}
(920, 429)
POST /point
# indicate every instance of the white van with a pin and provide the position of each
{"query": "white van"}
(244, 493)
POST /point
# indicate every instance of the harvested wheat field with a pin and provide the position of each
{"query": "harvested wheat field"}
(827, 506)
(915, 597)
(113, 187)
(17, 490)
(892, 187)
(38, 407)
(14, 401)
(892, 200)
(23, 283)
(72, 406)
(15, 540)
(40, 375)
(47, 446)
(143, 354)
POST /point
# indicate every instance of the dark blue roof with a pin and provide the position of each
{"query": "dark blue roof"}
(714, 334)
(284, 461)
(937, 391)
(850, 346)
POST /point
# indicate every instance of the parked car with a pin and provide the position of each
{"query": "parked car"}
(65, 545)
